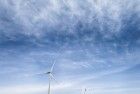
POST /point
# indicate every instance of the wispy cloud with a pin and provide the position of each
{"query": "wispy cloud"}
(36, 18)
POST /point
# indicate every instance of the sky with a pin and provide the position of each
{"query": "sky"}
(95, 44)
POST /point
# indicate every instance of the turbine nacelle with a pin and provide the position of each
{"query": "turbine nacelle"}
(48, 72)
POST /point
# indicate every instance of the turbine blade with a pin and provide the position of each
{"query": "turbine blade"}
(40, 73)
(53, 78)
(52, 67)
(37, 74)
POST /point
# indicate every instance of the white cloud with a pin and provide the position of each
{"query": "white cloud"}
(38, 17)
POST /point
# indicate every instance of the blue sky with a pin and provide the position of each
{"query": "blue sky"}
(95, 44)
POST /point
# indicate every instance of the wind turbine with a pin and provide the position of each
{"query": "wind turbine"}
(85, 91)
(51, 77)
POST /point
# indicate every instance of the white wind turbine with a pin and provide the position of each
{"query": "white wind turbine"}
(85, 91)
(51, 77)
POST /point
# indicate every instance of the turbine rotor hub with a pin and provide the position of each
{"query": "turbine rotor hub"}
(48, 72)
